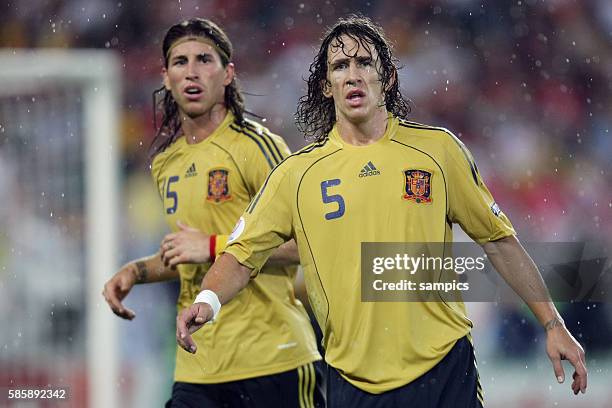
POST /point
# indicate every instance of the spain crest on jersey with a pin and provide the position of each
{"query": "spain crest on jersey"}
(218, 186)
(417, 186)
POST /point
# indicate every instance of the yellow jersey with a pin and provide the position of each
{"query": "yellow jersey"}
(332, 196)
(207, 185)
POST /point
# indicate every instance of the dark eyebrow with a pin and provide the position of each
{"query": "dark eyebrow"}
(339, 61)
(177, 57)
(199, 55)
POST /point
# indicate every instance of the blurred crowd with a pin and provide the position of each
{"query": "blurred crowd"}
(526, 84)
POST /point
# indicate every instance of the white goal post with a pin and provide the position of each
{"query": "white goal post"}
(96, 75)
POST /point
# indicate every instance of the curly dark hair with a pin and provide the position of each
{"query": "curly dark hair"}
(168, 131)
(316, 115)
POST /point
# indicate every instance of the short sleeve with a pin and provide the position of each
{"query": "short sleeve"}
(471, 205)
(265, 224)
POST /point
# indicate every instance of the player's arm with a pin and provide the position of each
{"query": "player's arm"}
(189, 245)
(224, 280)
(144, 270)
(285, 255)
(520, 272)
(473, 207)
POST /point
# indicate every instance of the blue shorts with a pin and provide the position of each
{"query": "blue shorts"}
(299, 388)
(452, 383)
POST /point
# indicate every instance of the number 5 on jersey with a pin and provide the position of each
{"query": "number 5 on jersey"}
(172, 195)
(334, 198)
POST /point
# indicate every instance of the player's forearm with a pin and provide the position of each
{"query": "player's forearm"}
(520, 272)
(226, 278)
(151, 269)
(286, 254)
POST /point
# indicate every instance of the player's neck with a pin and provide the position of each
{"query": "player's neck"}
(199, 128)
(365, 132)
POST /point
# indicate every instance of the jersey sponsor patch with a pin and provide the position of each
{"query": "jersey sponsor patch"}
(237, 231)
(417, 186)
(218, 186)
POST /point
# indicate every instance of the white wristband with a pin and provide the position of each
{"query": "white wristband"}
(210, 297)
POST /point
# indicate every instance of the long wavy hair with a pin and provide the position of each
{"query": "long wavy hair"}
(316, 115)
(169, 129)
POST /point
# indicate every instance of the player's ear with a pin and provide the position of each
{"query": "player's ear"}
(165, 80)
(326, 87)
(230, 71)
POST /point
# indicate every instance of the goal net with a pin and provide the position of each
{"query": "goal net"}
(59, 185)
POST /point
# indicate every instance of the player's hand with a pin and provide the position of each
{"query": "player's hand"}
(186, 246)
(189, 321)
(561, 345)
(117, 288)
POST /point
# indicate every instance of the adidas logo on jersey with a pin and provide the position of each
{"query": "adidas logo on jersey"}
(369, 170)
(191, 171)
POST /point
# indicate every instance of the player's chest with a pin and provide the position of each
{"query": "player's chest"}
(197, 182)
(360, 186)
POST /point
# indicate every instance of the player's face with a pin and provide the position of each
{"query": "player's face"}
(354, 83)
(196, 77)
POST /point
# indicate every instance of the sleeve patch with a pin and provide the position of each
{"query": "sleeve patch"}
(495, 209)
(237, 231)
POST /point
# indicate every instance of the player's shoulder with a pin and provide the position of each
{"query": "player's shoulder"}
(408, 129)
(252, 138)
(436, 137)
(310, 153)
(250, 131)
(299, 161)
(262, 130)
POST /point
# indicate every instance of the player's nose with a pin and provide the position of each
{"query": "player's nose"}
(353, 75)
(191, 72)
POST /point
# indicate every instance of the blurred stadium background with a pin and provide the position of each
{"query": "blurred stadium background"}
(526, 84)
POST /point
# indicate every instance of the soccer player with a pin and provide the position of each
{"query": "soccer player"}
(371, 176)
(208, 161)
